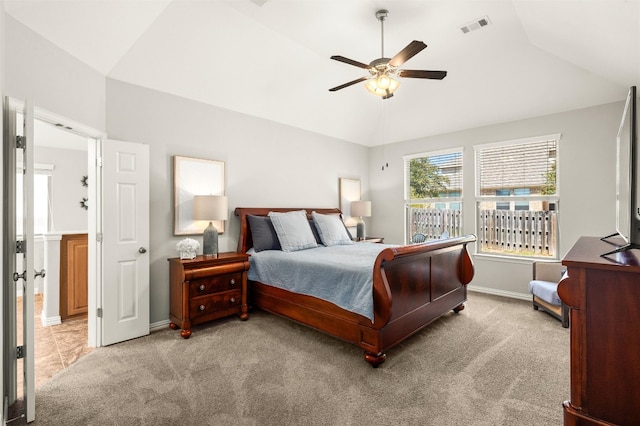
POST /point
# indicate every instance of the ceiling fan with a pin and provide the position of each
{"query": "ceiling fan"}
(382, 70)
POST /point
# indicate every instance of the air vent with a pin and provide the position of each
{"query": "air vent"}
(475, 25)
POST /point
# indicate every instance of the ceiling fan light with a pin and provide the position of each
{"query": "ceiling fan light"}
(384, 81)
(393, 85)
(384, 90)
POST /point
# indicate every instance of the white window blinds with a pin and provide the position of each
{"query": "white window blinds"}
(506, 169)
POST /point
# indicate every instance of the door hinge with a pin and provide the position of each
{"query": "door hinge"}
(99, 161)
(21, 142)
(99, 313)
(99, 237)
(19, 352)
(21, 247)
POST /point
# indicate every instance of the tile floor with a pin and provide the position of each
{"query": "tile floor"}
(56, 346)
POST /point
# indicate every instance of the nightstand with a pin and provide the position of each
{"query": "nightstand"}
(369, 240)
(207, 288)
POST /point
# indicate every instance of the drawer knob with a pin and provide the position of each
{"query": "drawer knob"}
(202, 307)
(232, 282)
(201, 287)
(232, 300)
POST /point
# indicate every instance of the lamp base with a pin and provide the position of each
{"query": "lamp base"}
(360, 230)
(210, 240)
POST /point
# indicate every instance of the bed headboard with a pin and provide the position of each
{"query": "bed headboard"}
(245, 242)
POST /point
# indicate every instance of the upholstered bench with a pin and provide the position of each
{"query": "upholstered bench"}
(544, 288)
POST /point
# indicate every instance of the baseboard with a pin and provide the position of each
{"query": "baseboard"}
(159, 325)
(47, 321)
(496, 292)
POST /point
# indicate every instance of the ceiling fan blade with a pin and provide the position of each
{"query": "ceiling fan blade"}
(407, 53)
(436, 75)
(350, 61)
(351, 83)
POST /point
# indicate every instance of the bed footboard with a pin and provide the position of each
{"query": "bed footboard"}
(416, 284)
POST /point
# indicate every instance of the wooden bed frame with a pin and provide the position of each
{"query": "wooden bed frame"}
(412, 286)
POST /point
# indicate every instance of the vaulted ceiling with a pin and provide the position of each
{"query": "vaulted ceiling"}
(535, 57)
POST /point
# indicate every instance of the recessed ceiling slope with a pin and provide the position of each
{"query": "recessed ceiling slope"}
(271, 61)
(602, 37)
(98, 33)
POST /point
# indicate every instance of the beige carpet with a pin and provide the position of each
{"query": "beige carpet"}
(498, 362)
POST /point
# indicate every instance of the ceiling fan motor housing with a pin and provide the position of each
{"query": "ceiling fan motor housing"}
(382, 14)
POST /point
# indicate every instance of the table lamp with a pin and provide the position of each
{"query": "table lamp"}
(210, 207)
(361, 209)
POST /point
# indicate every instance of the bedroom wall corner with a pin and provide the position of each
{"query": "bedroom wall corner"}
(267, 164)
(53, 79)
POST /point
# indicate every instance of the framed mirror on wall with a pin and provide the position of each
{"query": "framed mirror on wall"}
(194, 176)
(349, 190)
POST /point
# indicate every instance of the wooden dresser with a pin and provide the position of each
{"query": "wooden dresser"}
(604, 300)
(207, 288)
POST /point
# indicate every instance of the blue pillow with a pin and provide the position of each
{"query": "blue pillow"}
(314, 229)
(331, 229)
(262, 233)
(293, 230)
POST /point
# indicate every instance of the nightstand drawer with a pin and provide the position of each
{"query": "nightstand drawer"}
(215, 284)
(214, 303)
(207, 288)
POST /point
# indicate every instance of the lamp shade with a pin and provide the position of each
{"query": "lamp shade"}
(361, 208)
(210, 207)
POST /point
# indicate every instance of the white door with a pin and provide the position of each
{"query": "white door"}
(125, 234)
(18, 254)
(28, 315)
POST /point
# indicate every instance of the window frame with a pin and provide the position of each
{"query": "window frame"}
(39, 169)
(513, 199)
(447, 200)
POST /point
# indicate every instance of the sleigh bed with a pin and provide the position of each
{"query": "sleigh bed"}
(411, 287)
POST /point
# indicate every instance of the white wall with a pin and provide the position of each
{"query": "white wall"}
(586, 176)
(66, 189)
(267, 164)
(53, 79)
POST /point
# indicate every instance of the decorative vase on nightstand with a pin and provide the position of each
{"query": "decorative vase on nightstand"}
(188, 248)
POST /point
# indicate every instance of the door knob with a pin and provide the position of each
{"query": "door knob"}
(142, 250)
(39, 274)
(17, 276)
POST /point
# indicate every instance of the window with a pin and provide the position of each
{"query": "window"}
(517, 197)
(433, 194)
(41, 200)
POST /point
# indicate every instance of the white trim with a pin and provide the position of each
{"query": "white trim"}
(94, 137)
(63, 122)
(47, 321)
(496, 292)
(160, 325)
(43, 168)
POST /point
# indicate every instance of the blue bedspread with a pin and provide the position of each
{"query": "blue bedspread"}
(342, 275)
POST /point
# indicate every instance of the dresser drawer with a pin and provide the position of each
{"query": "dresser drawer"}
(214, 303)
(215, 284)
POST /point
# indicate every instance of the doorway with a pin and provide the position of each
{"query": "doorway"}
(117, 177)
(61, 184)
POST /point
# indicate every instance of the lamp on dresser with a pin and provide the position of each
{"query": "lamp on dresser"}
(210, 207)
(361, 209)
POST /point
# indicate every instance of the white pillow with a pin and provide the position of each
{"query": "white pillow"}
(293, 230)
(331, 229)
